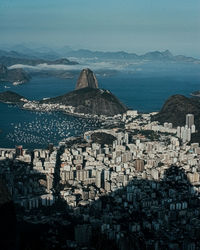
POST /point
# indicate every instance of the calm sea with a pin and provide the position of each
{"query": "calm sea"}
(144, 92)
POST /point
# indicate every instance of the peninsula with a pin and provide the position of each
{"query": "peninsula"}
(16, 76)
(11, 98)
(86, 100)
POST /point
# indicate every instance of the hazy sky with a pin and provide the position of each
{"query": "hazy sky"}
(130, 25)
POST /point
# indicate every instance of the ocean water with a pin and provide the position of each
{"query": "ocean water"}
(148, 94)
(145, 92)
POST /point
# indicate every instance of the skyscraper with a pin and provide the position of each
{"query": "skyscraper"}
(189, 120)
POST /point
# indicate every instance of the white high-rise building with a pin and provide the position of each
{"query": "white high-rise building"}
(49, 182)
(126, 138)
(193, 128)
(184, 137)
(179, 131)
(106, 175)
(98, 181)
(188, 134)
(182, 131)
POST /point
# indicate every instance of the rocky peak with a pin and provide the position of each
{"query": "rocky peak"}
(167, 53)
(87, 79)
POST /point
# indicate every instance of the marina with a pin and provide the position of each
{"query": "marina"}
(42, 128)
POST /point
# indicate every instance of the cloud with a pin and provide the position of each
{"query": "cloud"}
(83, 63)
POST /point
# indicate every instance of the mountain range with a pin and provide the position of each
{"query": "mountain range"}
(11, 60)
(20, 51)
(150, 56)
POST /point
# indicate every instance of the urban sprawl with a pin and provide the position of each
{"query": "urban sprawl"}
(140, 189)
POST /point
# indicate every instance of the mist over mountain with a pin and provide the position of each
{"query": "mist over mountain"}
(151, 56)
(12, 60)
(66, 62)
(21, 51)
(13, 75)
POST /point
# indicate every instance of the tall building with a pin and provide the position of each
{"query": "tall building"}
(193, 129)
(189, 120)
(99, 178)
(106, 175)
(188, 134)
(179, 131)
(185, 135)
(49, 182)
(139, 165)
(126, 138)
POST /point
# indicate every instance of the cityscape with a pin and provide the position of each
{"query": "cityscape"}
(99, 125)
(140, 190)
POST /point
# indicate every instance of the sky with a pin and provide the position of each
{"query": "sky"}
(110, 25)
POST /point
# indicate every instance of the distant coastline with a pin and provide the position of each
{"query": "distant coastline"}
(196, 93)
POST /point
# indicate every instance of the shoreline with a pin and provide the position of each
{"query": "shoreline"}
(79, 115)
(195, 95)
(84, 116)
(104, 123)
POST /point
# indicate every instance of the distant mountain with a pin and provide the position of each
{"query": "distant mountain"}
(48, 54)
(62, 61)
(40, 52)
(101, 55)
(175, 109)
(11, 97)
(62, 74)
(9, 61)
(13, 75)
(88, 99)
(150, 56)
(14, 54)
(157, 55)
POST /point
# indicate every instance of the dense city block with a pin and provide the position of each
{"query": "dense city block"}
(136, 187)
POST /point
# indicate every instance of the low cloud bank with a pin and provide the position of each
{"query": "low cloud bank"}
(93, 65)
